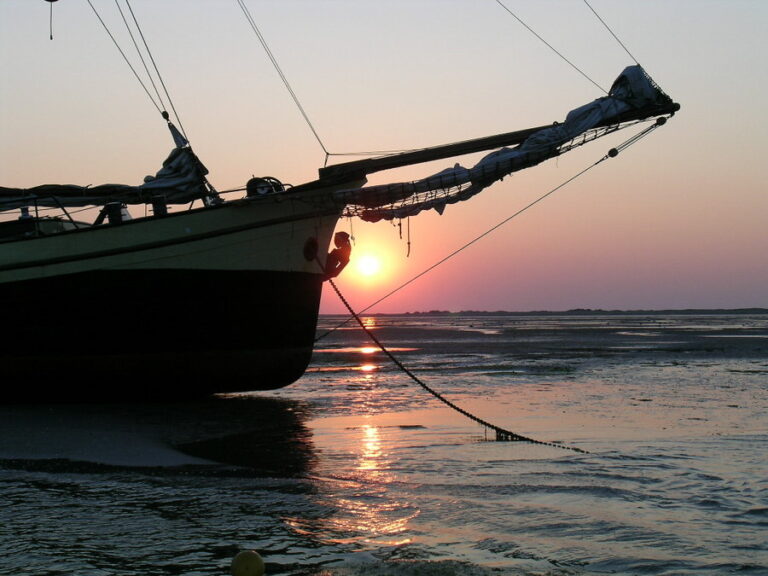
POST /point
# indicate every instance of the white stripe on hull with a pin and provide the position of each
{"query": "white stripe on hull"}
(266, 233)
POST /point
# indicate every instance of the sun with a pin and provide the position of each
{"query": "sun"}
(368, 265)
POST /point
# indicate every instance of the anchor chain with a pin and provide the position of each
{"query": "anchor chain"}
(502, 435)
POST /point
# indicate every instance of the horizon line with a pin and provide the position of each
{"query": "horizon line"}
(746, 310)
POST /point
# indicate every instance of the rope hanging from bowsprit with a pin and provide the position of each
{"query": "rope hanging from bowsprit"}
(501, 434)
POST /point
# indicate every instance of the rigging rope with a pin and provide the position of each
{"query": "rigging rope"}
(297, 102)
(603, 22)
(287, 84)
(612, 34)
(502, 435)
(158, 104)
(612, 153)
(284, 78)
(157, 71)
(122, 53)
(571, 64)
(138, 51)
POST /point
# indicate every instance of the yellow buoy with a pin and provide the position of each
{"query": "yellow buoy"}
(247, 563)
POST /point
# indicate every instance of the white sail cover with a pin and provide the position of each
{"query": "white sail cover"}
(179, 181)
(633, 89)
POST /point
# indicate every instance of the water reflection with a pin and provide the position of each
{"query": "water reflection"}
(362, 507)
(371, 513)
(266, 436)
(366, 359)
(373, 463)
(356, 478)
(248, 435)
(354, 350)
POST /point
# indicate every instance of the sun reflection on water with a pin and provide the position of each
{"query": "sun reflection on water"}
(361, 358)
(374, 515)
(355, 358)
(372, 459)
(369, 513)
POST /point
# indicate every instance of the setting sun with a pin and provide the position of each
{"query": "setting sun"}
(368, 265)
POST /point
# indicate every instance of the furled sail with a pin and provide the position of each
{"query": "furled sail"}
(180, 180)
(633, 97)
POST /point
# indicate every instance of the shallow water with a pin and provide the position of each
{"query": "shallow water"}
(358, 470)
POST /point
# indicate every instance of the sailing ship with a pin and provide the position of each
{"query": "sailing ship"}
(224, 294)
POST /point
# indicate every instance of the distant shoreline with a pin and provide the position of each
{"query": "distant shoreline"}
(580, 312)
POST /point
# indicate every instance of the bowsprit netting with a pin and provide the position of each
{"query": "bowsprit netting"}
(633, 98)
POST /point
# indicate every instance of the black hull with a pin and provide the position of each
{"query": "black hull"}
(122, 334)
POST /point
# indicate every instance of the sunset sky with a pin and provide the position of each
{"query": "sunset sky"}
(679, 220)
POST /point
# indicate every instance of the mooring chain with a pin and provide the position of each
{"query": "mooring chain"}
(501, 434)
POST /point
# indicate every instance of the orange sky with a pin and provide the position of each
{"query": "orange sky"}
(676, 221)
